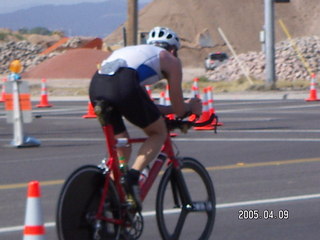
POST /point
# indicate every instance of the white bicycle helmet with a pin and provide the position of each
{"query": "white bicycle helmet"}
(160, 35)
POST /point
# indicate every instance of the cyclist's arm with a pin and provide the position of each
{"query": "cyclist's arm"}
(172, 70)
(169, 109)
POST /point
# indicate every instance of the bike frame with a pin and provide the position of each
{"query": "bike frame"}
(112, 166)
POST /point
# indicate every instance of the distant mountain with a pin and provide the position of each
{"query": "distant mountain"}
(84, 19)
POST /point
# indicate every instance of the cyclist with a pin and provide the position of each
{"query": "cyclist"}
(120, 81)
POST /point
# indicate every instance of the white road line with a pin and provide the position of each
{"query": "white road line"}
(247, 139)
(270, 131)
(270, 200)
(67, 110)
(266, 109)
(186, 140)
(218, 206)
(247, 203)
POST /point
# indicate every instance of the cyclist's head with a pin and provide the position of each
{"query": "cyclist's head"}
(165, 38)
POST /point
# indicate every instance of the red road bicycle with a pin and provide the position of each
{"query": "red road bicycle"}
(94, 205)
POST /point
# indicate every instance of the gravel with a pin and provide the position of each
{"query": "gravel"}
(289, 65)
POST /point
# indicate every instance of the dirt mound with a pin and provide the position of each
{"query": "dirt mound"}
(241, 21)
(75, 63)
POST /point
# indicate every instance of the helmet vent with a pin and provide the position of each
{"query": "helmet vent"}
(161, 33)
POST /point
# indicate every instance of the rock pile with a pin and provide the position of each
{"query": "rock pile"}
(28, 53)
(288, 67)
(25, 51)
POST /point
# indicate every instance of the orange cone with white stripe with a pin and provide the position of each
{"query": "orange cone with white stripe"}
(205, 112)
(313, 89)
(168, 102)
(34, 227)
(195, 88)
(162, 100)
(210, 106)
(3, 92)
(44, 102)
(90, 113)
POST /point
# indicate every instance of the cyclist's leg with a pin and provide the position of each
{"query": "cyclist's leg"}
(150, 149)
(147, 152)
(104, 87)
(124, 151)
(137, 107)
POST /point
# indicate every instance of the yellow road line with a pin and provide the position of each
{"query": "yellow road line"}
(213, 168)
(263, 164)
(24, 185)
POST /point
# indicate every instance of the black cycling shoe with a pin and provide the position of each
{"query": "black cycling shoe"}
(134, 193)
(132, 188)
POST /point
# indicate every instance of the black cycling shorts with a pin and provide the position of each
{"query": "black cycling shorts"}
(123, 92)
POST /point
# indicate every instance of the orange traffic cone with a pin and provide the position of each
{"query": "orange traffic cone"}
(90, 113)
(205, 112)
(168, 102)
(162, 100)
(3, 92)
(211, 108)
(195, 88)
(44, 95)
(313, 90)
(34, 227)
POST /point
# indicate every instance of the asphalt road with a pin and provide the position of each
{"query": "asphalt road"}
(265, 159)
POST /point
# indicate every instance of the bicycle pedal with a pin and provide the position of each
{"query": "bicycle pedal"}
(131, 203)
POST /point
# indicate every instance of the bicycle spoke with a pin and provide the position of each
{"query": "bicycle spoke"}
(182, 187)
(175, 193)
(180, 223)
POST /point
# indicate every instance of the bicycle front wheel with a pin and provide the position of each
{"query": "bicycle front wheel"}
(185, 205)
(78, 204)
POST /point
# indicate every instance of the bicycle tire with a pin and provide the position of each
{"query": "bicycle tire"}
(78, 203)
(174, 212)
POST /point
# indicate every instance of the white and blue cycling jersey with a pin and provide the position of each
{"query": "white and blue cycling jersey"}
(142, 58)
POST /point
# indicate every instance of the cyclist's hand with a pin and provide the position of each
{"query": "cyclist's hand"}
(195, 105)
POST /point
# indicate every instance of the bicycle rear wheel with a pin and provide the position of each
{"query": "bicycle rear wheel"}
(185, 206)
(78, 204)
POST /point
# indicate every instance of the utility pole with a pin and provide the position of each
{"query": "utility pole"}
(269, 43)
(132, 27)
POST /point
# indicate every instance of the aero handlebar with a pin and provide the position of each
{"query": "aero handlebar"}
(184, 125)
(102, 109)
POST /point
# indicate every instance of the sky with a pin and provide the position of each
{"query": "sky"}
(14, 5)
